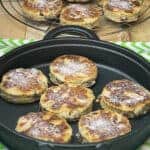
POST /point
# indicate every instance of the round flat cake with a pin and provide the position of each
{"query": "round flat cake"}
(42, 10)
(126, 97)
(122, 10)
(67, 101)
(102, 125)
(73, 70)
(23, 85)
(45, 126)
(86, 15)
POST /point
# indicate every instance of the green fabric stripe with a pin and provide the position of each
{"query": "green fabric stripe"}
(3, 42)
(141, 45)
(8, 43)
(21, 41)
(143, 48)
(1, 147)
(6, 49)
(123, 44)
(12, 42)
(147, 47)
(130, 46)
(136, 47)
(138, 50)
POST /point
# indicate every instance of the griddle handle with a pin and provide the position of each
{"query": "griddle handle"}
(50, 146)
(103, 146)
(45, 146)
(73, 31)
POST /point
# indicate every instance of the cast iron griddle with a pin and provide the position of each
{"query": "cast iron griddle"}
(113, 63)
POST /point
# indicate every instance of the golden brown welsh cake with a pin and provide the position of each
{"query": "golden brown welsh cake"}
(126, 97)
(23, 85)
(122, 10)
(100, 2)
(78, 1)
(41, 10)
(73, 70)
(45, 126)
(67, 101)
(86, 15)
(102, 125)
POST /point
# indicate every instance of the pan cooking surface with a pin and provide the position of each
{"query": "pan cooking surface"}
(10, 113)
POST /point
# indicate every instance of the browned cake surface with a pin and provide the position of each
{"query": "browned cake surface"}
(126, 92)
(45, 126)
(123, 10)
(126, 5)
(103, 125)
(73, 69)
(41, 10)
(24, 80)
(41, 5)
(67, 101)
(79, 1)
(71, 96)
(78, 12)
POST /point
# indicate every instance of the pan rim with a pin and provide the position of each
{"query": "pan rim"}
(123, 49)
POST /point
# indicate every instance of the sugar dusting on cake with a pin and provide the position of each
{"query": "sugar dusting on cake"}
(126, 92)
(72, 68)
(22, 78)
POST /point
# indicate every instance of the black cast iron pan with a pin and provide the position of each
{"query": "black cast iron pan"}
(114, 62)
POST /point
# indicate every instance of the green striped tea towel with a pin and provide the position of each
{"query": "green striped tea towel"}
(142, 48)
(6, 45)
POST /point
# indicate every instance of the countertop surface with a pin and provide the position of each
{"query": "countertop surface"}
(10, 28)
